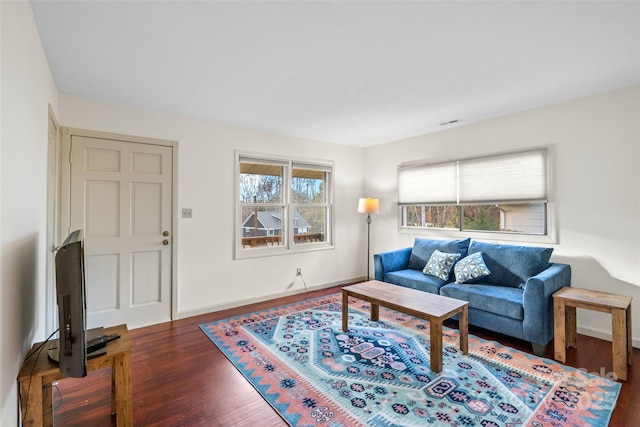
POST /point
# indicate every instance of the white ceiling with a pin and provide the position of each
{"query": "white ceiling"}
(357, 73)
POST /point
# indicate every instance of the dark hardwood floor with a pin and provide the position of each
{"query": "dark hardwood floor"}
(181, 379)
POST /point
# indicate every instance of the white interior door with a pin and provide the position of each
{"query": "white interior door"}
(121, 197)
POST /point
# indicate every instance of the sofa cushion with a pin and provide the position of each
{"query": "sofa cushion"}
(502, 300)
(511, 265)
(415, 279)
(423, 249)
(440, 264)
(471, 268)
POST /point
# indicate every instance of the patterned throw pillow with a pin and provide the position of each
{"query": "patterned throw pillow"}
(471, 268)
(440, 264)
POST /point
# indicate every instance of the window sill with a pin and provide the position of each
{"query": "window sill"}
(276, 251)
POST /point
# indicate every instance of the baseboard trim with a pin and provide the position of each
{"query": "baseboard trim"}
(239, 303)
(603, 335)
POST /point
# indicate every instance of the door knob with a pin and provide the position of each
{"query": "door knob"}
(165, 233)
(165, 242)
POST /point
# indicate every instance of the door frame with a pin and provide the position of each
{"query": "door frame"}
(53, 198)
(63, 198)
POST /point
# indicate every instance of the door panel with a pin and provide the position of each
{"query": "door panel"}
(104, 290)
(102, 199)
(146, 208)
(98, 159)
(121, 196)
(146, 267)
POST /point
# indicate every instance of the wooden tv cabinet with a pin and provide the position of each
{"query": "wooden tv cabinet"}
(39, 371)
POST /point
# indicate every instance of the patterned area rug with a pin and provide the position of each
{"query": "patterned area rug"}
(377, 373)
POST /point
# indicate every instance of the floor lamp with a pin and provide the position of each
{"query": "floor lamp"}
(368, 205)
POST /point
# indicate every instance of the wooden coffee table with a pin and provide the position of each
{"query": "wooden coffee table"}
(423, 305)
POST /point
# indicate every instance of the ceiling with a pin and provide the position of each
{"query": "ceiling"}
(350, 72)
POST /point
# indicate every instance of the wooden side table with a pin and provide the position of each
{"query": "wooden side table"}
(37, 410)
(565, 302)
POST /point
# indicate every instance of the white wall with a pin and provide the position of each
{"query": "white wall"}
(208, 276)
(26, 90)
(596, 145)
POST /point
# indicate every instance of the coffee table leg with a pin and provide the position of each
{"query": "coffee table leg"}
(375, 312)
(345, 311)
(436, 345)
(463, 326)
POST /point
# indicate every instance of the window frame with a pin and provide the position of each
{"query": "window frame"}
(287, 204)
(550, 225)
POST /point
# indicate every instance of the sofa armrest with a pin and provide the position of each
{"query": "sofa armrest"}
(386, 262)
(538, 302)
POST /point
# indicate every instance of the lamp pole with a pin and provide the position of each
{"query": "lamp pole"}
(368, 243)
(368, 205)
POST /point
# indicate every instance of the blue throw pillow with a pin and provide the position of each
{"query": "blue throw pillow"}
(471, 268)
(512, 265)
(423, 249)
(440, 264)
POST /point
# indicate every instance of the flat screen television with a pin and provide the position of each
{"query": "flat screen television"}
(70, 351)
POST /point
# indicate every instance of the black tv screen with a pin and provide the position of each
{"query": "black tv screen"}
(70, 291)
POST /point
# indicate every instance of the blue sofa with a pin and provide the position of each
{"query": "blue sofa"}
(509, 293)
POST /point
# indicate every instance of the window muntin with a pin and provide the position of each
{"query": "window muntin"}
(282, 205)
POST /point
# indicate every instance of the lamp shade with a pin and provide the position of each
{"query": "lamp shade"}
(368, 205)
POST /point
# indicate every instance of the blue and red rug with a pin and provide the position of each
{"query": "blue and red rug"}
(377, 374)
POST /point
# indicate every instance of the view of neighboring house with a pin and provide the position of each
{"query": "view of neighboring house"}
(524, 218)
(269, 223)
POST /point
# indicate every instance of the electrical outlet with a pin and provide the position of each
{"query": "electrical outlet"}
(299, 271)
(187, 213)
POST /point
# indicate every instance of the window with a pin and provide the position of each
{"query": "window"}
(503, 193)
(284, 205)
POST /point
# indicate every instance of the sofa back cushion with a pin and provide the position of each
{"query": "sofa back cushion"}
(511, 265)
(424, 248)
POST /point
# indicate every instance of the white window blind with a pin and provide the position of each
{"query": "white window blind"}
(516, 177)
(519, 177)
(431, 184)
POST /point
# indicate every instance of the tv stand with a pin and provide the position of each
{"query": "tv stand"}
(37, 407)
